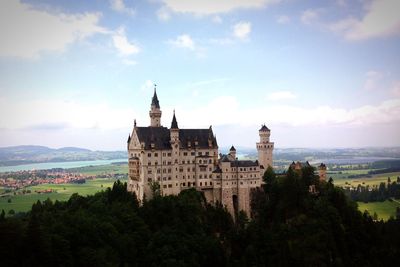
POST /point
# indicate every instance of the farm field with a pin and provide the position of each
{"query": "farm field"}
(384, 209)
(376, 179)
(62, 192)
(102, 169)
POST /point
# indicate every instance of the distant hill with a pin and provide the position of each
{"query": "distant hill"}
(18, 155)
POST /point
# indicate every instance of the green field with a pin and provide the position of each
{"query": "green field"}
(374, 180)
(102, 169)
(384, 209)
(21, 202)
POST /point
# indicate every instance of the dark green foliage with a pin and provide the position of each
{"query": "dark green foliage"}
(289, 227)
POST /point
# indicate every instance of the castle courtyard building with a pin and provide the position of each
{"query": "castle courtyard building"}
(174, 159)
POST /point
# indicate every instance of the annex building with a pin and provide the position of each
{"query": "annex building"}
(174, 159)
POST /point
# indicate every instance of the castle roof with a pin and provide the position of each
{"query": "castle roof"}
(154, 100)
(174, 124)
(264, 128)
(244, 163)
(160, 137)
(129, 139)
(232, 149)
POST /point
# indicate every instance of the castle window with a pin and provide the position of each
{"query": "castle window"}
(149, 179)
(200, 161)
(164, 179)
(183, 162)
(188, 162)
(169, 162)
(203, 168)
(241, 182)
(149, 171)
(169, 170)
(164, 170)
(185, 153)
(156, 163)
(210, 183)
(158, 171)
(155, 154)
(184, 184)
(199, 153)
(149, 163)
(205, 183)
(149, 155)
(210, 161)
(169, 177)
(169, 154)
(201, 184)
(210, 176)
(207, 153)
(164, 154)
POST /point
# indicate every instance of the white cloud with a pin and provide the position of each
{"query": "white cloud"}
(123, 45)
(242, 30)
(396, 89)
(147, 86)
(26, 32)
(210, 7)
(386, 112)
(119, 6)
(53, 113)
(283, 19)
(310, 16)
(381, 19)
(163, 14)
(373, 80)
(183, 41)
(129, 62)
(281, 95)
(217, 19)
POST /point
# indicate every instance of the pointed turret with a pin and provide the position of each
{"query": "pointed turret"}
(155, 112)
(174, 124)
(154, 100)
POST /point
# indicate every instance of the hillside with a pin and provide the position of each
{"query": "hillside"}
(289, 227)
(17, 155)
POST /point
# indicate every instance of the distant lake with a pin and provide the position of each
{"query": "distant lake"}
(64, 165)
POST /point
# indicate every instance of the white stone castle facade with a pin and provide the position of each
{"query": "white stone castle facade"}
(177, 159)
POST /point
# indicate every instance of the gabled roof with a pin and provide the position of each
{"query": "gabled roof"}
(160, 137)
(232, 149)
(244, 163)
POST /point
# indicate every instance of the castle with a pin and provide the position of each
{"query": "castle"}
(171, 160)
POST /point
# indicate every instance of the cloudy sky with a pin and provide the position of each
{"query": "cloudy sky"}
(318, 73)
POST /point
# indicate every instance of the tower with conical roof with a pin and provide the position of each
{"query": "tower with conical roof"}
(265, 148)
(155, 111)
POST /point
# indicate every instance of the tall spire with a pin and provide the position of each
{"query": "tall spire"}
(174, 124)
(154, 101)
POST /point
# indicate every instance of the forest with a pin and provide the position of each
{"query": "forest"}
(288, 226)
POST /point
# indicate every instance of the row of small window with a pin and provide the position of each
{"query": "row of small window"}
(241, 176)
(165, 154)
(235, 183)
(243, 169)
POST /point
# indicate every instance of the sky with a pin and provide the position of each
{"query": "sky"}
(319, 74)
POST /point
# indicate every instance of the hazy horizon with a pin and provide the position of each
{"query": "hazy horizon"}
(319, 74)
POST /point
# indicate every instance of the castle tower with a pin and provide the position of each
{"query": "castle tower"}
(175, 145)
(155, 111)
(322, 172)
(232, 152)
(265, 148)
